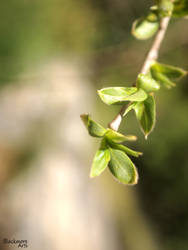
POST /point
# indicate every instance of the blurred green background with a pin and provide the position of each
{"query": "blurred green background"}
(91, 38)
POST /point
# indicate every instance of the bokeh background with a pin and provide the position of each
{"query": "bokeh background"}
(54, 55)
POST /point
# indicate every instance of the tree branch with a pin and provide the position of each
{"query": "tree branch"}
(151, 56)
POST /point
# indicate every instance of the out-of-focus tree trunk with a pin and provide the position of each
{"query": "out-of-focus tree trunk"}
(46, 195)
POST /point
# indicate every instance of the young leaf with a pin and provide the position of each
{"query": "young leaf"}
(119, 95)
(163, 79)
(124, 149)
(122, 167)
(146, 115)
(100, 162)
(172, 72)
(165, 7)
(94, 129)
(117, 137)
(147, 83)
(166, 74)
(144, 28)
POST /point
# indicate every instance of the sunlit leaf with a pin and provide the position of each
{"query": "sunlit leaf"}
(122, 167)
(94, 129)
(146, 115)
(144, 28)
(118, 137)
(100, 162)
(118, 95)
(147, 83)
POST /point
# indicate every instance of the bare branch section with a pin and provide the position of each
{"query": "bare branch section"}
(151, 56)
(154, 51)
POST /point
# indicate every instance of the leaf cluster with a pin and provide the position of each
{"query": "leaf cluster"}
(146, 26)
(111, 153)
(140, 99)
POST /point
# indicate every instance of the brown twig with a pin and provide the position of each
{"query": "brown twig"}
(151, 56)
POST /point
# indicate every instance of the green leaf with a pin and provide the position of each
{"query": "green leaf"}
(164, 80)
(166, 74)
(119, 95)
(122, 167)
(117, 137)
(100, 162)
(144, 28)
(180, 8)
(165, 7)
(94, 129)
(147, 83)
(124, 149)
(146, 115)
(171, 72)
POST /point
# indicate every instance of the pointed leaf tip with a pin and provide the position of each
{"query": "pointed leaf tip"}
(166, 74)
(84, 118)
(146, 115)
(125, 149)
(118, 137)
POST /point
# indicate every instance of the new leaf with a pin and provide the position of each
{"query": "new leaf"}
(146, 115)
(166, 74)
(119, 95)
(145, 27)
(122, 167)
(118, 137)
(147, 83)
(94, 129)
(100, 162)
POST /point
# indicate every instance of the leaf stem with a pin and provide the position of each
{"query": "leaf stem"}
(151, 56)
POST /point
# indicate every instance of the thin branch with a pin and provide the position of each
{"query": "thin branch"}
(154, 51)
(151, 56)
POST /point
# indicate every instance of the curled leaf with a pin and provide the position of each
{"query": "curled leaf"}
(119, 95)
(100, 162)
(94, 129)
(118, 137)
(146, 114)
(122, 167)
(145, 27)
(147, 83)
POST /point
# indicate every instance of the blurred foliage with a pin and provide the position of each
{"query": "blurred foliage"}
(33, 31)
